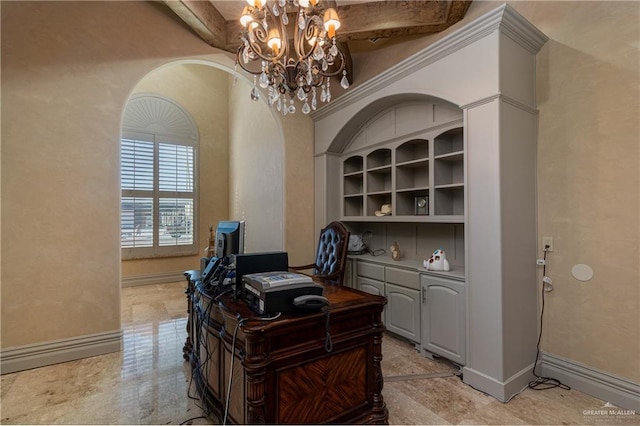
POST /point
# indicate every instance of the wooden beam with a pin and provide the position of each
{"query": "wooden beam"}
(360, 21)
(371, 20)
(206, 21)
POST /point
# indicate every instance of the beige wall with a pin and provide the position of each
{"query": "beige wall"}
(202, 91)
(301, 237)
(256, 187)
(588, 180)
(588, 163)
(68, 69)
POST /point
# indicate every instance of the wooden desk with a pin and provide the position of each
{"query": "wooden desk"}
(282, 372)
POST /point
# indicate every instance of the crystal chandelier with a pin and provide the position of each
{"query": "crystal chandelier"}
(299, 71)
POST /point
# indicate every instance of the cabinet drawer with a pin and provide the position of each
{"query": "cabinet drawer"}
(371, 270)
(403, 277)
(371, 286)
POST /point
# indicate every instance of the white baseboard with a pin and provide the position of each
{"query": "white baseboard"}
(618, 391)
(502, 391)
(40, 354)
(149, 279)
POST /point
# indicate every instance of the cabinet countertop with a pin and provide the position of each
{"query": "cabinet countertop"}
(456, 272)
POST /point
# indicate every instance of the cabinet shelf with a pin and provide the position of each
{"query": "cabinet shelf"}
(379, 180)
(430, 168)
(379, 193)
(450, 186)
(420, 162)
(353, 205)
(353, 164)
(449, 200)
(352, 184)
(380, 169)
(379, 158)
(416, 149)
(451, 156)
(405, 219)
(416, 189)
(448, 142)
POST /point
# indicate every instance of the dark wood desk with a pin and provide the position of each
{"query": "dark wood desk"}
(282, 372)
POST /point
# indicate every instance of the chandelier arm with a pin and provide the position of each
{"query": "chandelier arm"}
(240, 62)
(261, 35)
(312, 30)
(337, 71)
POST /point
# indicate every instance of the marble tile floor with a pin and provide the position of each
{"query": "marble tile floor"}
(148, 382)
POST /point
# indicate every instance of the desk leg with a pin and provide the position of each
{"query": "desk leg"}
(188, 344)
(380, 414)
(256, 376)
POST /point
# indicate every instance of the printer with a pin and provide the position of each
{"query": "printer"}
(273, 292)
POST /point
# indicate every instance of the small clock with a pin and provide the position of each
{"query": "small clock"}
(421, 205)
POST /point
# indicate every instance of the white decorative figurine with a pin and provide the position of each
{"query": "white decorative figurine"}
(437, 262)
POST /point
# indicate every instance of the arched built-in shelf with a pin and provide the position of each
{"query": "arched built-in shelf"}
(421, 174)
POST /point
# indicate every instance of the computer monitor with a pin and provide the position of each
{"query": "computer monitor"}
(229, 238)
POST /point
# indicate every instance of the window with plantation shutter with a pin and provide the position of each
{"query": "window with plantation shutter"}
(157, 177)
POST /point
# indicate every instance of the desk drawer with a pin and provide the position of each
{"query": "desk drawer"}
(403, 277)
(370, 270)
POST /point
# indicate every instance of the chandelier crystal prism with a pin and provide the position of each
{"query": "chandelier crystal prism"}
(288, 72)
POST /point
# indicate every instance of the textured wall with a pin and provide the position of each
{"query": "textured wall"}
(588, 179)
(68, 69)
(256, 185)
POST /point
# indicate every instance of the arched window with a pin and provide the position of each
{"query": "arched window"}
(157, 177)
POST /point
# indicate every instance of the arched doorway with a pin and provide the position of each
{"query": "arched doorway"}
(229, 185)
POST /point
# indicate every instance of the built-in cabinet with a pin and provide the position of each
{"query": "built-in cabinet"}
(401, 287)
(482, 175)
(421, 177)
(425, 307)
(444, 317)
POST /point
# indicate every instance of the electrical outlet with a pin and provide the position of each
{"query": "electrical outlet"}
(548, 243)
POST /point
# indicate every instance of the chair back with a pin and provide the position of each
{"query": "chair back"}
(331, 256)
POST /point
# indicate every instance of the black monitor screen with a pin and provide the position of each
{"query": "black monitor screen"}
(229, 238)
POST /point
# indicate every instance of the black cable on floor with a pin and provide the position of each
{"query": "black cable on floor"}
(186, 422)
(544, 383)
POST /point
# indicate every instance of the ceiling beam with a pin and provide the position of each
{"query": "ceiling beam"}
(362, 21)
(206, 21)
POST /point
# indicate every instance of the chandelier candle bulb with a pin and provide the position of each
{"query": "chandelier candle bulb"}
(256, 3)
(331, 22)
(246, 17)
(274, 41)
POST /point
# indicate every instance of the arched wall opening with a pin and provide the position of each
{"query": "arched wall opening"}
(229, 185)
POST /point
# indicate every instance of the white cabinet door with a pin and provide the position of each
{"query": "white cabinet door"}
(444, 318)
(403, 311)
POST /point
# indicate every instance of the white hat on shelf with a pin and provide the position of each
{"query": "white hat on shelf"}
(385, 210)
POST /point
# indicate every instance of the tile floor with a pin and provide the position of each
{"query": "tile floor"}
(148, 382)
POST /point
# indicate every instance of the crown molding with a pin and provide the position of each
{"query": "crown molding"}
(504, 18)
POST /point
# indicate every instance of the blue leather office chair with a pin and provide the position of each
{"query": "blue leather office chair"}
(331, 255)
